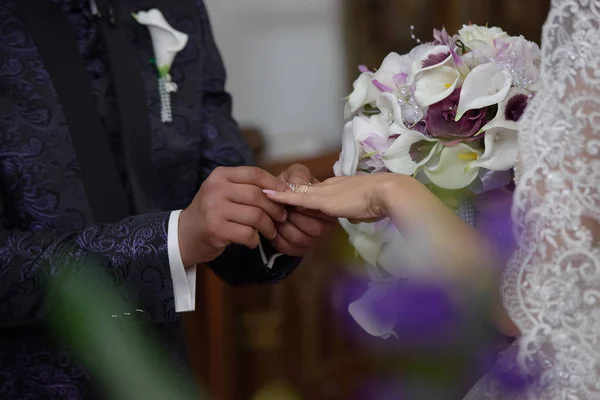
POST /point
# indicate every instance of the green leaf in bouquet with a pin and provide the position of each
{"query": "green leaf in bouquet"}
(368, 155)
(370, 110)
(450, 197)
(461, 46)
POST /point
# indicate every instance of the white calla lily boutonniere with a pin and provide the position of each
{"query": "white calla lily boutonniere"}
(166, 43)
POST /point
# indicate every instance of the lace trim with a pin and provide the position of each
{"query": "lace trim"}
(551, 288)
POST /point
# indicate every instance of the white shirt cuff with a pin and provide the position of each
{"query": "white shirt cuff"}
(184, 279)
(270, 261)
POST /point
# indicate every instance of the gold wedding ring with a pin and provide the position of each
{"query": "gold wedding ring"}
(298, 188)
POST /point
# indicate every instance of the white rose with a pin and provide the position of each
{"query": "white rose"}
(474, 35)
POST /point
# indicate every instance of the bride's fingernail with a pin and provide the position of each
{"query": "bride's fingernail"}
(267, 191)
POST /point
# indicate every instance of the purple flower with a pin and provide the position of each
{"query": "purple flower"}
(515, 107)
(443, 38)
(494, 222)
(418, 151)
(383, 88)
(426, 315)
(435, 59)
(510, 379)
(441, 115)
(418, 314)
(373, 147)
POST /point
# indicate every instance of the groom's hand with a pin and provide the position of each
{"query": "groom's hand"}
(302, 229)
(230, 207)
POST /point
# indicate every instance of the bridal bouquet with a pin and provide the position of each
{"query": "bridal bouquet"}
(445, 113)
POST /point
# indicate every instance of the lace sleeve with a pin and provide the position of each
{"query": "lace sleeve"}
(551, 288)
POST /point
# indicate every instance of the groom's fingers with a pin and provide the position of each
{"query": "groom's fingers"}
(242, 234)
(253, 217)
(298, 174)
(316, 214)
(288, 248)
(253, 196)
(252, 176)
(293, 235)
(311, 226)
(305, 200)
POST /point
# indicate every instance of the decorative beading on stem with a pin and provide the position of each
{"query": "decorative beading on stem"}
(165, 87)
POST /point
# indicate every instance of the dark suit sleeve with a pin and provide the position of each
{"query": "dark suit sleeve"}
(225, 145)
(129, 258)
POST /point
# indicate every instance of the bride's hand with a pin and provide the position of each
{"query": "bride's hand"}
(435, 234)
(359, 198)
(427, 224)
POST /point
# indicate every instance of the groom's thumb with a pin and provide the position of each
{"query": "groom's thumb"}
(298, 174)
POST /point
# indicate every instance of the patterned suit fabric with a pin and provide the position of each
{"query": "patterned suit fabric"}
(47, 227)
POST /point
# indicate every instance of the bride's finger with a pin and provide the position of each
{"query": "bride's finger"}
(315, 214)
(305, 200)
(368, 220)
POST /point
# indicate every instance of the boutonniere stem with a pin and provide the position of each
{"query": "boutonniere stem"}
(166, 43)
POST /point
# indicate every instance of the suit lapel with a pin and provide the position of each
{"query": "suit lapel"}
(133, 113)
(50, 29)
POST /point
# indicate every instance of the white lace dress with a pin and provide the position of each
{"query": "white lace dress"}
(551, 288)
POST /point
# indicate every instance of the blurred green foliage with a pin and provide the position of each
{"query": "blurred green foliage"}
(122, 355)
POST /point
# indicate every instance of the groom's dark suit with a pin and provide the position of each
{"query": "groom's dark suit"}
(88, 173)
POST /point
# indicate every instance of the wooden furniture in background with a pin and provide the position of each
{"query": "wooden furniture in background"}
(374, 28)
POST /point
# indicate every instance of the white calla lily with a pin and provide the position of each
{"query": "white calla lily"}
(452, 170)
(486, 85)
(420, 64)
(376, 125)
(398, 157)
(355, 132)
(390, 107)
(370, 85)
(434, 85)
(373, 272)
(367, 238)
(460, 64)
(501, 120)
(393, 65)
(366, 313)
(364, 93)
(500, 150)
(350, 154)
(166, 40)
(488, 180)
(396, 255)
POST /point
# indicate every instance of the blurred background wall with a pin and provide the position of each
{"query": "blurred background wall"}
(290, 63)
(286, 69)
